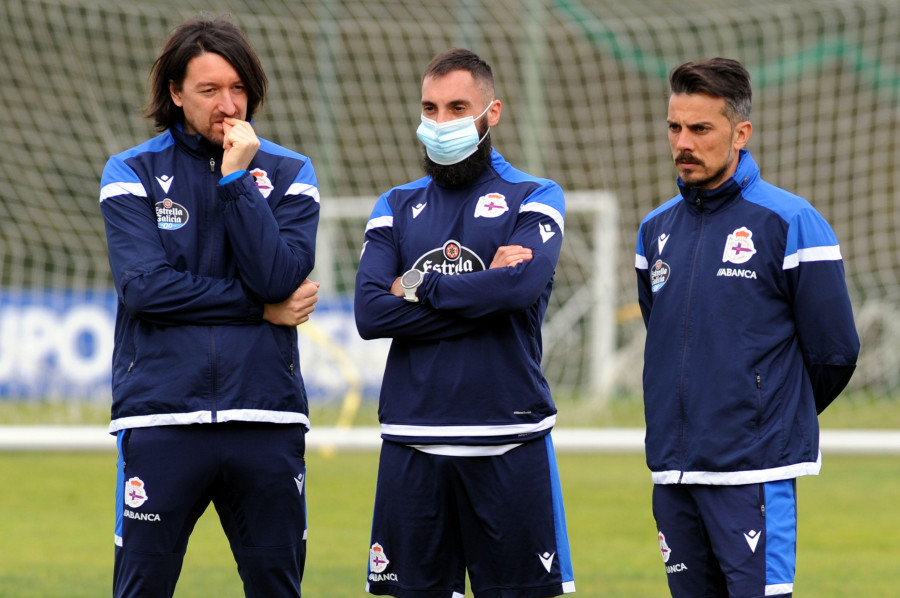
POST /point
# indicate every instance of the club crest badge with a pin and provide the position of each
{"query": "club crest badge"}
(659, 274)
(378, 561)
(491, 205)
(261, 179)
(739, 246)
(664, 548)
(135, 492)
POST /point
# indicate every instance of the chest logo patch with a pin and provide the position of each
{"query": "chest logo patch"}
(739, 246)
(261, 179)
(659, 274)
(491, 205)
(450, 258)
(170, 215)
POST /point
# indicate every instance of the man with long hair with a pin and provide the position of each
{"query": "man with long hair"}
(211, 234)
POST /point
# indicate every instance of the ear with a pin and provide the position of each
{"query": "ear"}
(742, 133)
(493, 113)
(176, 95)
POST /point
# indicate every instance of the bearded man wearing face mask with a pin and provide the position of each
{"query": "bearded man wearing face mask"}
(457, 269)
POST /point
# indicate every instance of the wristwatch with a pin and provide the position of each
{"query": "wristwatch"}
(410, 281)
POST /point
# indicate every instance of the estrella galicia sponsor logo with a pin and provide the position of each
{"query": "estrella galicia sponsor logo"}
(451, 258)
(659, 274)
(170, 215)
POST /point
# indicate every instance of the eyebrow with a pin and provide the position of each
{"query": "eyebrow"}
(449, 103)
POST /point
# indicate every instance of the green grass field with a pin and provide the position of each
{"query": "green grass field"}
(57, 516)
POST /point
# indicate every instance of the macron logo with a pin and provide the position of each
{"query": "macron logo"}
(299, 481)
(418, 209)
(661, 242)
(165, 181)
(752, 538)
(547, 560)
(546, 232)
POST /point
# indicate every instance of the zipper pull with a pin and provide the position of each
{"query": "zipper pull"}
(292, 369)
(758, 381)
(212, 164)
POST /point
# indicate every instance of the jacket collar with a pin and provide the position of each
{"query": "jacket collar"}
(195, 145)
(712, 200)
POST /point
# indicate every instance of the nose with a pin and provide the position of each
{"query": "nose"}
(683, 140)
(226, 103)
(443, 116)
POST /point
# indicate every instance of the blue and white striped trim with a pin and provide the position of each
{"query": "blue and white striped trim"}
(546, 210)
(121, 188)
(736, 478)
(205, 417)
(779, 589)
(379, 222)
(304, 189)
(830, 253)
(462, 450)
(467, 431)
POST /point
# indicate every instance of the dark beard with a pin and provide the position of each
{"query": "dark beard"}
(462, 173)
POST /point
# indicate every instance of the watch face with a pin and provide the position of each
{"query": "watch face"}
(411, 278)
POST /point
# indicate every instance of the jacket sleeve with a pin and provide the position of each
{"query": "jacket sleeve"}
(540, 227)
(380, 314)
(148, 286)
(642, 268)
(821, 304)
(273, 246)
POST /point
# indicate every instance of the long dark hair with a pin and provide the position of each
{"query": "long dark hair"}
(189, 40)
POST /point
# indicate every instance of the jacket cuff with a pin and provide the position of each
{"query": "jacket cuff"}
(234, 185)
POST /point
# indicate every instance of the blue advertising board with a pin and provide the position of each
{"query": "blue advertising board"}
(57, 344)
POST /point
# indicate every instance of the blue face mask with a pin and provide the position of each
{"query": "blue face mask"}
(452, 141)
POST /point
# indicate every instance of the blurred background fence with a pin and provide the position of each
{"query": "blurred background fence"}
(584, 91)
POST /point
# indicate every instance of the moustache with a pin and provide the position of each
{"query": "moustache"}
(686, 158)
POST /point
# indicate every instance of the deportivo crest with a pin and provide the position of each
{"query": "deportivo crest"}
(491, 205)
(378, 561)
(664, 548)
(135, 492)
(659, 274)
(739, 246)
(450, 258)
(170, 215)
(261, 179)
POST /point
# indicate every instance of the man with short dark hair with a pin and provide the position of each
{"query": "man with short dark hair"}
(750, 335)
(211, 234)
(457, 269)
